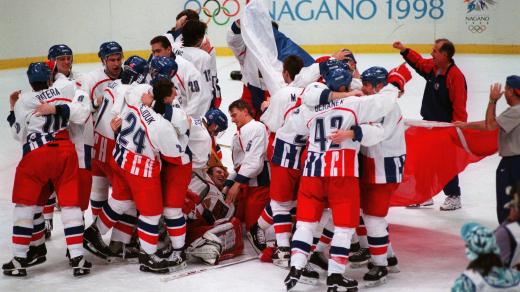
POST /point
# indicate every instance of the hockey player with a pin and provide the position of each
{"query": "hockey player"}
(49, 155)
(330, 174)
(193, 34)
(249, 148)
(382, 158)
(134, 72)
(136, 173)
(193, 94)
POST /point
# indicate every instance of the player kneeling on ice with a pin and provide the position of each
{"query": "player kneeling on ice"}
(40, 121)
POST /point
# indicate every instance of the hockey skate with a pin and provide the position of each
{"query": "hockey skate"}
(48, 228)
(281, 256)
(120, 252)
(359, 258)
(292, 279)
(93, 242)
(80, 266)
(319, 260)
(309, 276)
(392, 265)
(423, 204)
(36, 255)
(337, 282)
(177, 260)
(256, 237)
(354, 247)
(152, 263)
(17, 267)
(376, 276)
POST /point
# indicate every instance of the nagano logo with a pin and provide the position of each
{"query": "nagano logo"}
(479, 5)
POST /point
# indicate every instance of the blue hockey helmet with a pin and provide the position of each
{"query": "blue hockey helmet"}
(337, 78)
(375, 75)
(38, 72)
(216, 117)
(332, 64)
(58, 51)
(162, 68)
(135, 68)
(109, 48)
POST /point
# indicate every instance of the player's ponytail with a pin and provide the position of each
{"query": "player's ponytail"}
(161, 89)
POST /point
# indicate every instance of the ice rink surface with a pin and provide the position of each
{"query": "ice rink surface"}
(426, 241)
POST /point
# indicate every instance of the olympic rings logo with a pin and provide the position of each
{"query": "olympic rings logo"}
(477, 28)
(220, 13)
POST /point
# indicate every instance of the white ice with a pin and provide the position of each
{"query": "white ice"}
(427, 241)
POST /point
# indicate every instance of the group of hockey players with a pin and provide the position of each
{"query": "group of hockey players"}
(315, 161)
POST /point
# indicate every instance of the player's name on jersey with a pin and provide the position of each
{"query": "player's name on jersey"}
(146, 114)
(331, 104)
(48, 94)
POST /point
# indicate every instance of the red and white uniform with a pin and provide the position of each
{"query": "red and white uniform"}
(95, 83)
(199, 143)
(194, 93)
(203, 62)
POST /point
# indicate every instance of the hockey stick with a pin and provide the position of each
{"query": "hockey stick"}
(195, 271)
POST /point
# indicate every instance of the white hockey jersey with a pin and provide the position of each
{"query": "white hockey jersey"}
(95, 83)
(199, 144)
(202, 61)
(327, 159)
(35, 131)
(280, 104)
(383, 152)
(248, 149)
(193, 92)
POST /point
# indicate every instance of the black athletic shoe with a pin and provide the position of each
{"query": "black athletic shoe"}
(337, 282)
(36, 255)
(318, 259)
(17, 267)
(93, 242)
(152, 263)
(292, 279)
(80, 266)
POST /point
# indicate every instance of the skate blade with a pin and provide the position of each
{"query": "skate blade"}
(338, 289)
(178, 267)
(16, 273)
(81, 273)
(143, 268)
(88, 246)
(282, 264)
(370, 284)
(308, 281)
(291, 284)
(358, 265)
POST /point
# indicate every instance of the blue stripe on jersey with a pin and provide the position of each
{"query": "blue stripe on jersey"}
(63, 111)
(282, 218)
(268, 209)
(37, 215)
(119, 154)
(75, 230)
(39, 227)
(324, 96)
(377, 240)
(97, 204)
(11, 118)
(263, 178)
(128, 219)
(328, 233)
(336, 250)
(177, 222)
(149, 228)
(313, 164)
(303, 246)
(19, 230)
(394, 167)
(242, 179)
(315, 240)
(286, 154)
(88, 156)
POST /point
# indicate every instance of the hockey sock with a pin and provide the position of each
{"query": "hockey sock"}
(48, 209)
(361, 232)
(98, 195)
(301, 244)
(38, 234)
(125, 227)
(111, 214)
(266, 217)
(327, 233)
(339, 249)
(73, 225)
(176, 226)
(148, 232)
(282, 222)
(377, 239)
(22, 229)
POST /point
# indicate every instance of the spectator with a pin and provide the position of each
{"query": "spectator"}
(444, 97)
(508, 233)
